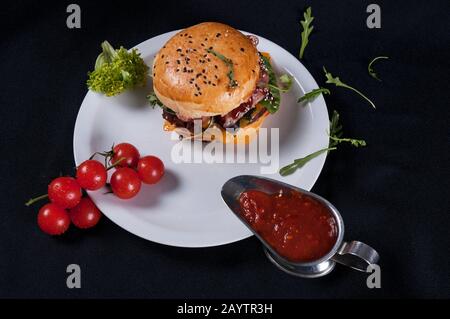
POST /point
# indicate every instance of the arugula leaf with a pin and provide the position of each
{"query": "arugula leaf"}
(336, 81)
(336, 133)
(117, 70)
(286, 83)
(354, 142)
(153, 100)
(335, 138)
(229, 63)
(313, 94)
(307, 29)
(371, 70)
(273, 104)
(300, 162)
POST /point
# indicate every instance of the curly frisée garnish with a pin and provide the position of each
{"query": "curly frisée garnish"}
(117, 70)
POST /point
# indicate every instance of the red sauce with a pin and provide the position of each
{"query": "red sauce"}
(297, 226)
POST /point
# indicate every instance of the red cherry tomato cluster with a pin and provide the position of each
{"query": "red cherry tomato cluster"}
(67, 204)
(131, 170)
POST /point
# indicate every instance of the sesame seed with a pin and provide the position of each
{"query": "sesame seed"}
(204, 77)
(209, 60)
(209, 82)
(202, 44)
(216, 66)
(213, 84)
(195, 94)
(178, 61)
(242, 49)
(178, 70)
(203, 71)
(206, 39)
(198, 75)
(190, 41)
(217, 35)
(162, 56)
(210, 48)
(167, 62)
(179, 50)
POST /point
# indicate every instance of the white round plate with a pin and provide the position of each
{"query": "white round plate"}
(185, 208)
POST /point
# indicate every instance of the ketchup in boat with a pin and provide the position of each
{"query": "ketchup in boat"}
(297, 226)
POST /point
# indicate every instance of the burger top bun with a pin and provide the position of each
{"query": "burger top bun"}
(193, 71)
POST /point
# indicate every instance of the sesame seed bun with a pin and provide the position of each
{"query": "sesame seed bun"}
(194, 82)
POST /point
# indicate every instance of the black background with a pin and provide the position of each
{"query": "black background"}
(392, 194)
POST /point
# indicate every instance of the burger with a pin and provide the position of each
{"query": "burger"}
(212, 83)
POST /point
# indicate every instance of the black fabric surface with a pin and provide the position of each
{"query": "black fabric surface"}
(393, 194)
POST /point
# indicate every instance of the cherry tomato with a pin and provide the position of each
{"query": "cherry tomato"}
(128, 152)
(91, 175)
(53, 220)
(150, 169)
(125, 183)
(85, 214)
(65, 192)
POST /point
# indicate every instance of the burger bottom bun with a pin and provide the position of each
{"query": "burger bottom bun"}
(243, 135)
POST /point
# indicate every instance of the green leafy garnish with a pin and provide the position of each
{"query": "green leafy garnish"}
(336, 133)
(307, 29)
(354, 142)
(117, 70)
(335, 139)
(313, 94)
(371, 70)
(336, 81)
(233, 83)
(286, 83)
(273, 103)
(300, 162)
(153, 100)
